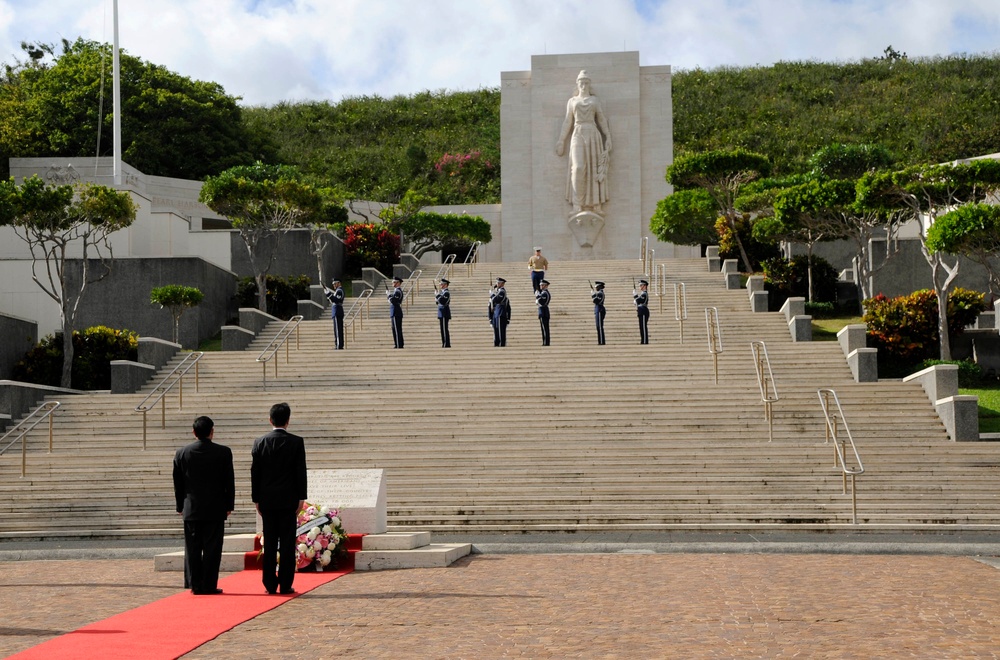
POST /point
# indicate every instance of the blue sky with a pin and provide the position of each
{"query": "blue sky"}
(267, 51)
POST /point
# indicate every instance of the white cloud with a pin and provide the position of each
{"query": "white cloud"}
(272, 50)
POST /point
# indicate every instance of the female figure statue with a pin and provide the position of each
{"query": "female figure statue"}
(589, 149)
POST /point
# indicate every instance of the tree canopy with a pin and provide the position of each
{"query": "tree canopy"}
(52, 220)
(263, 202)
(171, 125)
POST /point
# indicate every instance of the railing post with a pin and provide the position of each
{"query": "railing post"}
(197, 376)
(51, 425)
(180, 393)
(144, 430)
(163, 412)
(24, 454)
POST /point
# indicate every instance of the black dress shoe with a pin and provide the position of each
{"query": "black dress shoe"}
(285, 592)
(210, 592)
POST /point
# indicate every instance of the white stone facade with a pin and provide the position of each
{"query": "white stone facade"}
(637, 105)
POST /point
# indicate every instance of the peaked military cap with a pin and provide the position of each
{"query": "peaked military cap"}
(545, 282)
(538, 249)
(444, 281)
(644, 282)
(397, 279)
(598, 283)
(335, 280)
(501, 280)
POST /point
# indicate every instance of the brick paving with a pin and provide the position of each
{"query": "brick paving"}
(567, 606)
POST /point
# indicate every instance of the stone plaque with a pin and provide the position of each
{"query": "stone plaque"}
(359, 494)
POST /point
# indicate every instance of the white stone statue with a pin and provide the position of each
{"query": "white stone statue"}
(589, 149)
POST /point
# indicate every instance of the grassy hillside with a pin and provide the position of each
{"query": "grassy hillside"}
(922, 110)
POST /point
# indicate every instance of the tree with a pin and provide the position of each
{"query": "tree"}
(973, 231)
(924, 193)
(171, 125)
(324, 224)
(177, 299)
(687, 217)
(60, 223)
(263, 202)
(721, 174)
(803, 213)
(425, 231)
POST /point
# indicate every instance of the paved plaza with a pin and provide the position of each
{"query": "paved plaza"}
(610, 605)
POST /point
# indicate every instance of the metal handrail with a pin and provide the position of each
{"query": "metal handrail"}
(659, 282)
(176, 376)
(714, 337)
(472, 258)
(840, 450)
(36, 417)
(445, 268)
(765, 381)
(361, 303)
(411, 286)
(681, 306)
(643, 244)
(280, 339)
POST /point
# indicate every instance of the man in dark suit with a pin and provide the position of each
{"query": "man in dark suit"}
(278, 488)
(205, 492)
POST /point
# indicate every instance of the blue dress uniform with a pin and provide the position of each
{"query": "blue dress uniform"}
(542, 299)
(396, 312)
(443, 299)
(499, 312)
(641, 299)
(336, 298)
(598, 297)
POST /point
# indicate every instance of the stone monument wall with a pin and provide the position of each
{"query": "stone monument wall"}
(637, 110)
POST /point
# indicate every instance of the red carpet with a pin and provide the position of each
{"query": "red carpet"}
(175, 625)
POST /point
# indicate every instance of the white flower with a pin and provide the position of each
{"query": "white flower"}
(326, 558)
(327, 529)
(310, 552)
(323, 510)
(302, 547)
(335, 521)
(313, 533)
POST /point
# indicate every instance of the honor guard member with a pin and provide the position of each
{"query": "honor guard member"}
(598, 297)
(641, 299)
(538, 265)
(336, 298)
(542, 299)
(443, 298)
(396, 311)
(500, 312)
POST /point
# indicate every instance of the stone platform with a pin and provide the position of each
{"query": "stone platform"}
(378, 552)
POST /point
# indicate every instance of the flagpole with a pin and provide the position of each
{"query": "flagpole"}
(117, 114)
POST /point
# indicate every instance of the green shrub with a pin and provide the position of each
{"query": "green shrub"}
(970, 374)
(283, 294)
(820, 310)
(787, 278)
(757, 251)
(905, 329)
(93, 351)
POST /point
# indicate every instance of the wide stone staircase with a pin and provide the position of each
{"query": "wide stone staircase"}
(572, 437)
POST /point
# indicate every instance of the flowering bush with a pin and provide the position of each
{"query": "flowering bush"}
(370, 245)
(465, 178)
(906, 328)
(317, 546)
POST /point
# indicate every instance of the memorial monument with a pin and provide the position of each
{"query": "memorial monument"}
(567, 185)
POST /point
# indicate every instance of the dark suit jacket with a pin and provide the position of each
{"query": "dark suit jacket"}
(204, 483)
(278, 471)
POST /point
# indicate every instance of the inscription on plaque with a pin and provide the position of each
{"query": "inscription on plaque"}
(359, 494)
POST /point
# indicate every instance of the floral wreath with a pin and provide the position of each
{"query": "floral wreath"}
(319, 537)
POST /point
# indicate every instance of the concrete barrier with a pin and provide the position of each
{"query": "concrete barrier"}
(128, 377)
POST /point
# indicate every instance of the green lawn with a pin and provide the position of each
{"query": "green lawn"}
(989, 407)
(827, 329)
